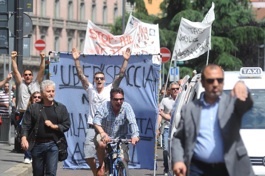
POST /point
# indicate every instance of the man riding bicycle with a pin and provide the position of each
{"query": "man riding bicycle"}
(112, 120)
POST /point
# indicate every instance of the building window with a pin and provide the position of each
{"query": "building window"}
(70, 44)
(115, 12)
(57, 9)
(43, 8)
(81, 44)
(82, 11)
(94, 13)
(56, 44)
(70, 10)
(105, 15)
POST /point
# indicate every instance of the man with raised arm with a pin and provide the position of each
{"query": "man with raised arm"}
(96, 95)
(26, 85)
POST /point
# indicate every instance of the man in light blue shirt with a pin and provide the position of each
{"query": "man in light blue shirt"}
(207, 141)
(112, 120)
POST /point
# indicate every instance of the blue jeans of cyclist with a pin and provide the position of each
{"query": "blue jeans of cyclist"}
(165, 148)
(44, 159)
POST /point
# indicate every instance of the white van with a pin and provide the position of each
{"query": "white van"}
(253, 122)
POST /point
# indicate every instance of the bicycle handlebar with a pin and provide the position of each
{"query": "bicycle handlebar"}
(124, 141)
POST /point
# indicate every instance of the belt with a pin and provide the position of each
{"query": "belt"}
(90, 126)
(43, 140)
(208, 165)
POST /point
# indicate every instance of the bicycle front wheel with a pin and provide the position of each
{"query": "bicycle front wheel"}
(122, 168)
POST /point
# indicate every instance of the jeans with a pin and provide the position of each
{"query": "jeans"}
(27, 154)
(44, 159)
(202, 170)
(165, 148)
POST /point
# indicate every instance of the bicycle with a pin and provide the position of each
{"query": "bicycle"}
(114, 164)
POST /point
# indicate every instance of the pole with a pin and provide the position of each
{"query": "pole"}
(18, 46)
(123, 15)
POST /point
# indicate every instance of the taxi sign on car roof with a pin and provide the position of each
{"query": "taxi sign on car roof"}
(251, 72)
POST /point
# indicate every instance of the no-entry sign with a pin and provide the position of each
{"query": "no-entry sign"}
(40, 45)
(165, 54)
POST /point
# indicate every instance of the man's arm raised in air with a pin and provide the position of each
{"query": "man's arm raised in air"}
(16, 73)
(79, 69)
(126, 56)
(39, 77)
(8, 77)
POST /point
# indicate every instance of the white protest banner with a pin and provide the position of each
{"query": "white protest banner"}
(145, 37)
(100, 41)
(193, 38)
(140, 86)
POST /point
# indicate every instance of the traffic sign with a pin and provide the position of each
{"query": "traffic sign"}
(174, 73)
(40, 45)
(165, 54)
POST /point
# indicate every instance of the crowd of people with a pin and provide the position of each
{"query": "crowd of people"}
(200, 146)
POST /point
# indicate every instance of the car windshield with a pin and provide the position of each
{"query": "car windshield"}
(255, 118)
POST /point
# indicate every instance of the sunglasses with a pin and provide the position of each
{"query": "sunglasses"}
(99, 78)
(39, 97)
(117, 99)
(175, 88)
(219, 80)
(28, 74)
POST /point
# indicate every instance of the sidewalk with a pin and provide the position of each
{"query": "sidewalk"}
(11, 164)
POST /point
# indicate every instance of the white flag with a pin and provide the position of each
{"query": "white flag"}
(193, 38)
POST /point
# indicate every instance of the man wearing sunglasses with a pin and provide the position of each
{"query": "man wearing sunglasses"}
(96, 95)
(26, 84)
(163, 120)
(112, 120)
(207, 141)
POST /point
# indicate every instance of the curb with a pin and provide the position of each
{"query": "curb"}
(19, 170)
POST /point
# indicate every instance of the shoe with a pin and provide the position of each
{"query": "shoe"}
(27, 161)
(165, 174)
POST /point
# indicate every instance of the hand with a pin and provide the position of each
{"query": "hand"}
(75, 54)
(135, 140)
(24, 143)
(9, 76)
(48, 123)
(105, 137)
(42, 55)
(13, 55)
(179, 169)
(240, 91)
(127, 54)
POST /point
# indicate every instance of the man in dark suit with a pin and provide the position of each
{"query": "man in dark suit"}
(207, 141)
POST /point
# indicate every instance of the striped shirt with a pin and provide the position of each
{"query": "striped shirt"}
(4, 98)
(116, 126)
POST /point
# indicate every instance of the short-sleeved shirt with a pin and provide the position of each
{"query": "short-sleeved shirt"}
(24, 93)
(116, 126)
(4, 98)
(96, 99)
(167, 104)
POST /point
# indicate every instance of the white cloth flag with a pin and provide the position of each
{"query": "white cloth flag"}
(193, 38)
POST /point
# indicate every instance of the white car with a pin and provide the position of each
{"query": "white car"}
(253, 122)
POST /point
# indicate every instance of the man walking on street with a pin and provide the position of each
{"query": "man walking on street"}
(207, 141)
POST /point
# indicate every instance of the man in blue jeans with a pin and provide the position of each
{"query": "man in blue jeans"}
(44, 151)
(163, 120)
